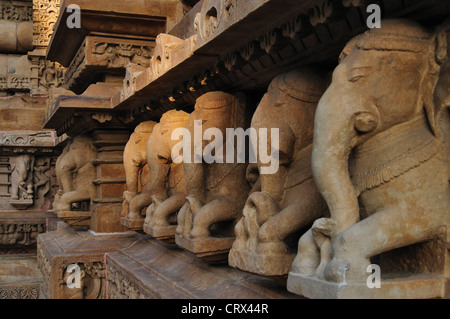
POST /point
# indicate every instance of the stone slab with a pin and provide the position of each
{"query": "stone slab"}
(210, 249)
(132, 224)
(76, 218)
(265, 265)
(166, 234)
(153, 269)
(423, 286)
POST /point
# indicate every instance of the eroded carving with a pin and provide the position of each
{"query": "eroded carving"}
(287, 201)
(377, 154)
(92, 282)
(21, 181)
(20, 234)
(216, 192)
(45, 14)
(113, 55)
(75, 173)
(168, 187)
(138, 193)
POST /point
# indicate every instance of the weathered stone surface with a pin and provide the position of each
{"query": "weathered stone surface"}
(287, 200)
(100, 56)
(21, 112)
(20, 277)
(367, 161)
(75, 172)
(16, 37)
(138, 195)
(168, 186)
(216, 192)
(145, 19)
(155, 270)
(59, 249)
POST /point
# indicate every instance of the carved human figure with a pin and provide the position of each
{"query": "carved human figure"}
(75, 173)
(288, 200)
(377, 153)
(20, 168)
(138, 195)
(168, 187)
(216, 192)
(41, 179)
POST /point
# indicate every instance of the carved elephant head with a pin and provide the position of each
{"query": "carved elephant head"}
(288, 199)
(136, 171)
(216, 189)
(168, 188)
(377, 151)
(75, 172)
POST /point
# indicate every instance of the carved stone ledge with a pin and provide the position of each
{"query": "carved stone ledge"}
(60, 248)
(98, 56)
(32, 73)
(76, 218)
(30, 291)
(218, 60)
(78, 114)
(113, 18)
(156, 270)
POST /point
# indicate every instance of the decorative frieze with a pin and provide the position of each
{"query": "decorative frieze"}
(33, 74)
(20, 234)
(120, 287)
(101, 55)
(16, 11)
(26, 292)
(45, 15)
(25, 180)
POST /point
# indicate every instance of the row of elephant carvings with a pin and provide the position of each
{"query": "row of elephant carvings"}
(363, 164)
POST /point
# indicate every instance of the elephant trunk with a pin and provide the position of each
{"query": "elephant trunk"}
(338, 127)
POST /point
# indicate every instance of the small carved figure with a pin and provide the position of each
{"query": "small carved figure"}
(21, 181)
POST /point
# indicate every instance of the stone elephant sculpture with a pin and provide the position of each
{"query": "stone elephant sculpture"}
(168, 187)
(378, 158)
(21, 181)
(75, 173)
(216, 190)
(137, 195)
(288, 200)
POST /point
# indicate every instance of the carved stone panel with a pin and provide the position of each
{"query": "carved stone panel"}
(16, 10)
(45, 15)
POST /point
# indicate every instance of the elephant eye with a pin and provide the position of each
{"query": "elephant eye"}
(357, 73)
(356, 78)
